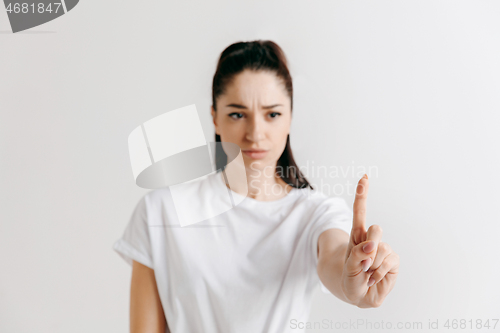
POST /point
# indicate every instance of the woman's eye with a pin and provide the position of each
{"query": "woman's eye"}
(235, 113)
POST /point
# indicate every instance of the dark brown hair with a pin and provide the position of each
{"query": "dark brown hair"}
(258, 55)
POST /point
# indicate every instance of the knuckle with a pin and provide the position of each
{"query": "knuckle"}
(357, 230)
(384, 247)
(376, 228)
(385, 266)
(377, 276)
(356, 251)
(359, 211)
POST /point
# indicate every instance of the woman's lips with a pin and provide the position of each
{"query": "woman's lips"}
(256, 154)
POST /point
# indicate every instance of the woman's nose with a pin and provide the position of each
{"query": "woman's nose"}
(254, 130)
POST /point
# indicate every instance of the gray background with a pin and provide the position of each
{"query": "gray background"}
(410, 87)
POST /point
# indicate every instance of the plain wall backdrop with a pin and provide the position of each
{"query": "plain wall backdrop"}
(410, 88)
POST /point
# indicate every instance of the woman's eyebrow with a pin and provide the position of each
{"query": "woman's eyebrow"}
(271, 106)
(238, 106)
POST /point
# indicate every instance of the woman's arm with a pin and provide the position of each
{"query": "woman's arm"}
(358, 268)
(146, 311)
(332, 246)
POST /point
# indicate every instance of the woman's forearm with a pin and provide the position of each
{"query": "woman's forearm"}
(332, 246)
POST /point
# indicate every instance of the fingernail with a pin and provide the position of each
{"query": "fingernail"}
(368, 247)
(366, 264)
(365, 176)
(371, 282)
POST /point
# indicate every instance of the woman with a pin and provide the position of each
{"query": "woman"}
(254, 267)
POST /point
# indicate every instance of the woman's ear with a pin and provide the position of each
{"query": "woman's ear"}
(214, 114)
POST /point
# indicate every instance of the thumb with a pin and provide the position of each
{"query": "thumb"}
(354, 263)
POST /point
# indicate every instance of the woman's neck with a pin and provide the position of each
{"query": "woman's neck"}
(262, 184)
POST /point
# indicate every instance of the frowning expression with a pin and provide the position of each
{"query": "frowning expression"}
(255, 113)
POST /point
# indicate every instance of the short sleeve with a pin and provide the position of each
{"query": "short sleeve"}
(332, 213)
(135, 244)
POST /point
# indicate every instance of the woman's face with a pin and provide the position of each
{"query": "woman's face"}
(255, 113)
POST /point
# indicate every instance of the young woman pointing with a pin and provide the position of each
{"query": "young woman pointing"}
(253, 268)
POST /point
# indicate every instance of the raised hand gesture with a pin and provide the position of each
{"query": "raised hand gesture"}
(370, 267)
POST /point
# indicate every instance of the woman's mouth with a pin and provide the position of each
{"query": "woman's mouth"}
(255, 154)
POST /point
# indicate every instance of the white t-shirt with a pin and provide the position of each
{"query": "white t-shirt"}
(250, 269)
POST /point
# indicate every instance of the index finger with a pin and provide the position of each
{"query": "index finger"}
(359, 207)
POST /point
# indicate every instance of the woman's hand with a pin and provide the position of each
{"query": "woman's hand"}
(370, 267)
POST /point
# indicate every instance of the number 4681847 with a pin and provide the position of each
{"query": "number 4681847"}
(31, 8)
